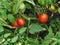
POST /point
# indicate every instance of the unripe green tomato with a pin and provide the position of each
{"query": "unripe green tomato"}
(22, 6)
(52, 8)
(58, 10)
(19, 43)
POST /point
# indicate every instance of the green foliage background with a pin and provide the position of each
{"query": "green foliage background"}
(10, 10)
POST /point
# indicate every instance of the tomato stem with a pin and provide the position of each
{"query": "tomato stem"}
(27, 18)
(33, 18)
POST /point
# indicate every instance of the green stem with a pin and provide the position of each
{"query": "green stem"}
(15, 31)
(27, 18)
(33, 18)
(45, 26)
(24, 16)
(28, 25)
(28, 22)
(37, 35)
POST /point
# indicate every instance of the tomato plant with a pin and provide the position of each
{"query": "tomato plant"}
(29, 22)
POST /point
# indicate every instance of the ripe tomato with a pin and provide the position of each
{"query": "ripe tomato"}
(15, 24)
(43, 18)
(20, 22)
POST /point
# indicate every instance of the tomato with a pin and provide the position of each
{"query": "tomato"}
(58, 10)
(19, 43)
(22, 6)
(21, 22)
(52, 8)
(15, 24)
(43, 18)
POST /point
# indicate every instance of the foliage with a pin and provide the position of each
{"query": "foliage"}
(33, 32)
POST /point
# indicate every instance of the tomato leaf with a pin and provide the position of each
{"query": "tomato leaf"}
(1, 39)
(7, 35)
(8, 39)
(34, 28)
(22, 30)
(14, 39)
(42, 2)
(50, 1)
(33, 41)
(28, 6)
(31, 1)
(6, 43)
(6, 5)
(57, 35)
(54, 43)
(46, 42)
(3, 14)
(50, 34)
(11, 18)
(1, 29)
(15, 8)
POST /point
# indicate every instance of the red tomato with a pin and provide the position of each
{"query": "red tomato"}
(15, 24)
(21, 22)
(43, 18)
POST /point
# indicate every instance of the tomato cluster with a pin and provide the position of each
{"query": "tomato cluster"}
(19, 23)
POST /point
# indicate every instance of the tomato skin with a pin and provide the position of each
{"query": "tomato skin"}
(43, 18)
(15, 24)
(21, 22)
